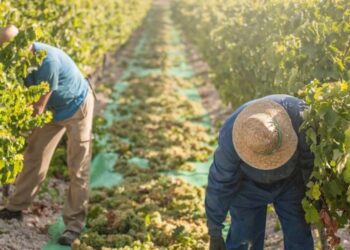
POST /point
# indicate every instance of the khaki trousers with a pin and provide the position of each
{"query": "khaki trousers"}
(41, 146)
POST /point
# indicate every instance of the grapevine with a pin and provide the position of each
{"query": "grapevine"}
(86, 30)
(256, 48)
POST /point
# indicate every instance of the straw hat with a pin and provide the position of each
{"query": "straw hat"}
(263, 135)
(7, 34)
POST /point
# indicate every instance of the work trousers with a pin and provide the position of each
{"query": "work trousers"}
(41, 147)
(248, 214)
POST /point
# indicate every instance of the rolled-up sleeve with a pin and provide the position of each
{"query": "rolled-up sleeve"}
(222, 184)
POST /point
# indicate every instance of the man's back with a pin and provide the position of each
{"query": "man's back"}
(67, 83)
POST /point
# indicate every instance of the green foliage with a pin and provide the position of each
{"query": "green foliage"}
(85, 29)
(99, 133)
(255, 48)
(16, 120)
(58, 165)
(311, 212)
(328, 129)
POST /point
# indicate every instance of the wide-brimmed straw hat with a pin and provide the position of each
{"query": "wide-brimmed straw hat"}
(263, 135)
(7, 34)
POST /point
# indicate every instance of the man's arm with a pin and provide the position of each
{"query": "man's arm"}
(223, 181)
(47, 72)
(39, 106)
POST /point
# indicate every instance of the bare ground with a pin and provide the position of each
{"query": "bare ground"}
(32, 232)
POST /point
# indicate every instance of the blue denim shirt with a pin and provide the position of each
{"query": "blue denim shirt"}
(227, 168)
(69, 87)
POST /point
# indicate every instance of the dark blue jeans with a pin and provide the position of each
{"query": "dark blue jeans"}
(248, 215)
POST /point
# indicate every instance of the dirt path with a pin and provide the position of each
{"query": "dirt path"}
(32, 232)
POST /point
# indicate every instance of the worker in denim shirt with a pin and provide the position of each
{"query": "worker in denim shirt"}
(262, 158)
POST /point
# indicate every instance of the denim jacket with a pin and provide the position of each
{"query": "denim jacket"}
(227, 168)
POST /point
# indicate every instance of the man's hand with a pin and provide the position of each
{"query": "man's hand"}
(8, 33)
(217, 243)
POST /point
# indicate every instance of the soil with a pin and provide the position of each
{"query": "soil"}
(32, 232)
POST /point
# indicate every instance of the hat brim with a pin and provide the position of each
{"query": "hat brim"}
(289, 141)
